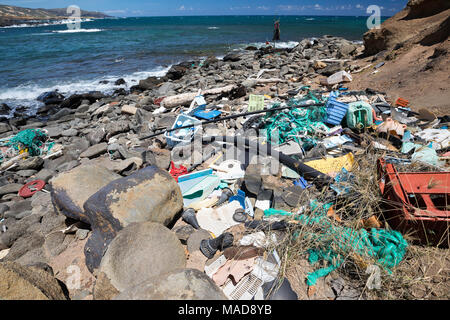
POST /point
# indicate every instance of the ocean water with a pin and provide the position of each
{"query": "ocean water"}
(35, 59)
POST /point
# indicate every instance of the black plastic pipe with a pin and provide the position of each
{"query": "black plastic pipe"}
(230, 117)
(309, 173)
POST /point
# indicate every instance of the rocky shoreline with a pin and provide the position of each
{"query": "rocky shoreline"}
(96, 185)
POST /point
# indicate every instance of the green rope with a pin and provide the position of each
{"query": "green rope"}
(31, 139)
(387, 247)
(297, 124)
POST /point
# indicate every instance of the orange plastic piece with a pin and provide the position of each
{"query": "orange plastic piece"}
(402, 102)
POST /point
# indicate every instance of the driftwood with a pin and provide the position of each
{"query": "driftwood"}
(6, 165)
(185, 99)
(272, 80)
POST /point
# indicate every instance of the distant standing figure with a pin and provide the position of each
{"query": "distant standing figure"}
(276, 33)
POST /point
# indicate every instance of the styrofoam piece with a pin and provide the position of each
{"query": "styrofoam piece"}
(236, 269)
(263, 271)
(441, 137)
(215, 266)
(262, 204)
(257, 239)
(335, 141)
(229, 170)
(339, 77)
(217, 220)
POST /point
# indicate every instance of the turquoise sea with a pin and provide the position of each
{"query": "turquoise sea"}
(35, 59)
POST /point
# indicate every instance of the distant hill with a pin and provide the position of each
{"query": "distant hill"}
(10, 15)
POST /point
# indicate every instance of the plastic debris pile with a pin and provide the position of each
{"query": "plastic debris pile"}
(328, 133)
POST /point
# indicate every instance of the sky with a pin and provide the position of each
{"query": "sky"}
(136, 8)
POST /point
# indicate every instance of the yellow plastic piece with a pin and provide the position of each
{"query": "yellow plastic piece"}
(333, 165)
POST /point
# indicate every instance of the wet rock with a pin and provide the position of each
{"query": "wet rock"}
(149, 194)
(146, 84)
(95, 150)
(233, 57)
(71, 189)
(139, 252)
(74, 101)
(120, 82)
(176, 72)
(52, 97)
(28, 283)
(183, 284)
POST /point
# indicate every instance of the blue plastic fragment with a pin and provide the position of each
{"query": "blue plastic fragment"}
(207, 115)
(240, 196)
(301, 182)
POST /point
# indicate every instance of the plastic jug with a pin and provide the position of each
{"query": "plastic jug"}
(359, 115)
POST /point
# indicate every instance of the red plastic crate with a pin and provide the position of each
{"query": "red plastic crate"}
(417, 202)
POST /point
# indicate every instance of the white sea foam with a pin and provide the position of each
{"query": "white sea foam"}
(27, 94)
(213, 28)
(45, 24)
(280, 45)
(78, 30)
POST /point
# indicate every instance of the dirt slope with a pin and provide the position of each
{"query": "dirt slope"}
(415, 45)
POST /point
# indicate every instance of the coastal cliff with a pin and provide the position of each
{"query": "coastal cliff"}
(10, 15)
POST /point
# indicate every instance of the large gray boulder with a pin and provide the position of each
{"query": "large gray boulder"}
(149, 194)
(139, 252)
(71, 189)
(182, 284)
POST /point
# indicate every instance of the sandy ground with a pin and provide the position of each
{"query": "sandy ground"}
(406, 77)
